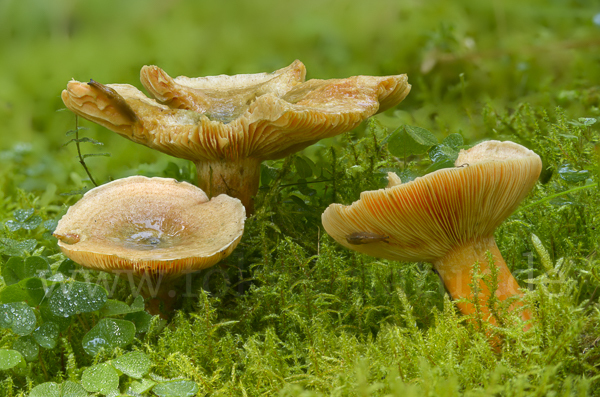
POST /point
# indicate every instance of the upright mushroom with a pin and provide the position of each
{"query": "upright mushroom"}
(447, 218)
(228, 125)
(151, 229)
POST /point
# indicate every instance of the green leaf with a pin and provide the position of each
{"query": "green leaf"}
(176, 388)
(46, 335)
(17, 316)
(443, 153)
(72, 389)
(141, 320)
(27, 347)
(71, 132)
(142, 386)
(136, 364)
(17, 248)
(455, 141)
(50, 225)
(108, 334)
(83, 140)
(23, 215)
(76, 192)
(74, 297)
(303, 188)
(303, 167)
(51, 389)
(569, 136)
(30, 291)
(409, 140)
(299, 201)
(583, 122)
(267, 174)
(407, 175)
(90, 140)
(138, 304)
(67, 267)
(13, 226)
(10, 268)
(47, 316)
(48, 389)
(571, 175)
(114, 308)
(85, 156)
(100, 378)
(587, 121)
(32, 223)
(24, 220)
(10, 359)
(17, 269)
(36, 266)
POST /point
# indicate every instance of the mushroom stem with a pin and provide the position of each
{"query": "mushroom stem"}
(161, 303)
(455, 270)
(238, 179)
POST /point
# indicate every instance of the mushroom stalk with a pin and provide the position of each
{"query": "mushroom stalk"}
(161, 297)
(456, 271)
(238, 179)
(239, 119)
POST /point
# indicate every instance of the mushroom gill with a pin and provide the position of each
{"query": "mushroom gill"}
(228, 125)
(152, 230)
(447, 218)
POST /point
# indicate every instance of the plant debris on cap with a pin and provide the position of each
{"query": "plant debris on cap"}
(447, 217)
(228, 125)
(154, 227)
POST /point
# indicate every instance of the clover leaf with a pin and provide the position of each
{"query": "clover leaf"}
(17, 316)
(74, 297)
(108, 334)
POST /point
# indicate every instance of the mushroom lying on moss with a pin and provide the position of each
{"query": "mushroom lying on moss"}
(447, 218)
(228, 125)
(153, 229)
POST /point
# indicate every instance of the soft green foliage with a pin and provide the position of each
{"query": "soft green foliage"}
(290, 312)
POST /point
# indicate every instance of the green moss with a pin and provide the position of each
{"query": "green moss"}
(291, 312)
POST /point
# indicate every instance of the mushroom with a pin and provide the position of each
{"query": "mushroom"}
(446, 218)
(228, 125)
(150, 230)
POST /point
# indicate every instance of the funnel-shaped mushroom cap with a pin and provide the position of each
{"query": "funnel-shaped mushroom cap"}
(150, 226)
(424, 219)
(263, 116)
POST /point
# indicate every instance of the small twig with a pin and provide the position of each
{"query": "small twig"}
(81, 160)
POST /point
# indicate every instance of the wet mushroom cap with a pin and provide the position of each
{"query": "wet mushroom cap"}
(263, 116)
(228, 125)
(426, 218)
(150, 226)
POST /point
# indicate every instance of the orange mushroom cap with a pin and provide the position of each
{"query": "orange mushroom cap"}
(264, 115)
(427, 217)
(227, 125)
(150, 226)
(447, 218)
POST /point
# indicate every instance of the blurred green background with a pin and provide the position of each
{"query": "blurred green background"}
(460, 56)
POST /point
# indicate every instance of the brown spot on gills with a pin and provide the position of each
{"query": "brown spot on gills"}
(359, 238)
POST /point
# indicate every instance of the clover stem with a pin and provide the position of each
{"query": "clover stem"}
(456, 271)
(238, 179)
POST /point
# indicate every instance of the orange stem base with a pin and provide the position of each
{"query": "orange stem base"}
(455, 270)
